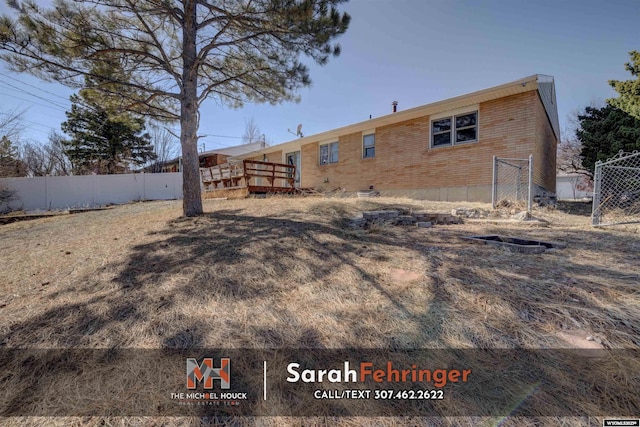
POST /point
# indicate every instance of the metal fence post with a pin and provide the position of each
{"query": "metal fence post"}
(595, 212)
(494, 188)
(530, 198)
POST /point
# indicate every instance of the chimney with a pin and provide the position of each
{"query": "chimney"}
(395, 106)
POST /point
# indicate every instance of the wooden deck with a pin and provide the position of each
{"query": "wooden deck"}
(256, 176)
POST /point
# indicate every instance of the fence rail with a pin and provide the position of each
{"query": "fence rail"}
(512, 182)
(616, 190)
(255, 175)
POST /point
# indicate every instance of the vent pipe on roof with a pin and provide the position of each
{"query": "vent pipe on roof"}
(395, 106)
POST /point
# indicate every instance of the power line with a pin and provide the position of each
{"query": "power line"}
(37, 103)
(218, 144)
(207, 135)
(31, 127)
(35, 123)
(34, 86)
(224, 136)
(37, 130)
(32, 94)
(204, 138)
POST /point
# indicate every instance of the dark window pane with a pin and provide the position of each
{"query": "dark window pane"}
(442, 139)
(441, 125)
(369, 140)
(324, 154)
(466, 135)
(466, 120)
(369, 152)
(334, 153)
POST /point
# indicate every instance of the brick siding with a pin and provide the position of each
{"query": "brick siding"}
(512, 127)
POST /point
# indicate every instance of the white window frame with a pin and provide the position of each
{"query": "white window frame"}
(330, 160)
(452, 115)
(364, 148)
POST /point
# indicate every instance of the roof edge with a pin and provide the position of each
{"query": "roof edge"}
(411, 113)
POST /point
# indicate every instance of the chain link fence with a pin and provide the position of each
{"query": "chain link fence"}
(512, 183)
(616, 192)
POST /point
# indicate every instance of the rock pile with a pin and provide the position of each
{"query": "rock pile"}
(397, 218)
(471, 213)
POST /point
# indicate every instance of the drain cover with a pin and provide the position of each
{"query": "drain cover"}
(516, 244)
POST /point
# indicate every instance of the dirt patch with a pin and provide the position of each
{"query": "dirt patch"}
(580, 339)
(405, 276)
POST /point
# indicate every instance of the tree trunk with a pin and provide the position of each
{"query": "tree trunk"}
(191, 193)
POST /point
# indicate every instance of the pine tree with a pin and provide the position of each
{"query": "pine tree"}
(604, 132)
(629, 90)
(175, 54)
(10, 163)
(104, 142)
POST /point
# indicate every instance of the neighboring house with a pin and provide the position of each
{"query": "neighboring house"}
(214, 157)
(438, 151)
(573, 187)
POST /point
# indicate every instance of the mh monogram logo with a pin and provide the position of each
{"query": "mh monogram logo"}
(207, 373)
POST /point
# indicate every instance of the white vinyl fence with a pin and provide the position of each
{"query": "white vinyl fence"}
(63, 192)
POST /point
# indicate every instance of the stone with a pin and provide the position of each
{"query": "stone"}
(521, 216)
(405, 220)
(373, 215)
(422, 217)
(448, 219)
(357, 222)
(424, 224)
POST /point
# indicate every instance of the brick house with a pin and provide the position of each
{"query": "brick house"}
(439, 151)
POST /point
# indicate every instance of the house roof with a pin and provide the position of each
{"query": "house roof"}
(542, 83)
(236, 150)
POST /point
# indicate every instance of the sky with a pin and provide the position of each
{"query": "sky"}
(415, 52)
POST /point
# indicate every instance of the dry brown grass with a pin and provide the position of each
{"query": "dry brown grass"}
(287, 272)
(235, 193)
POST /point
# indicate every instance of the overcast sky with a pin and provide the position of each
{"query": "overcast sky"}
(415, 52)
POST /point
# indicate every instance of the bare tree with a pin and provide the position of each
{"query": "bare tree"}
(251, 132)
(11, 125)
(569, 156)
(35, 158)
(165, 57)
(62, 164)
(46, 159)
(165, 145)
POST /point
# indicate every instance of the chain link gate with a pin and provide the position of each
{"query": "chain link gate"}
(616, 190)
(512, 182)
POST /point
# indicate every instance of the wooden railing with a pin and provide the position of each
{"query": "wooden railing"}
(225, 175)
(276, 175)
(256, 175)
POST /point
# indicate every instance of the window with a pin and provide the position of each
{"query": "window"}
(329, 153)
(441, 132)
(368, 146)
(454, 130)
